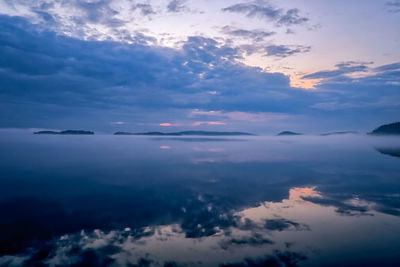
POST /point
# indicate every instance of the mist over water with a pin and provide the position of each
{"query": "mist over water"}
(199, 201)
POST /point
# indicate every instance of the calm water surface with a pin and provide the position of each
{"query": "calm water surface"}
(108, 200)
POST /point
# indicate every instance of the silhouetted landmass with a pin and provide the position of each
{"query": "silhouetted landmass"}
(394, 152)
(207, 133)
(123, 133)
(340, 133)
(387, 129)
(66, 132)
(288, 133)
(46, 132)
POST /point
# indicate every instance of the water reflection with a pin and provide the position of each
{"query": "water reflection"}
(199, 139)
(278, 233)
(109, 200)
(391, 151)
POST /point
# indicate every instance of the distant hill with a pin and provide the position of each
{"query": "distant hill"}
(387, 129)
(66, 132)
(288, 133)
(340, 133)
(123, 133)
(206, 133)
(46, 132)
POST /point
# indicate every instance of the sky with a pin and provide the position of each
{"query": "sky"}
(259, 66)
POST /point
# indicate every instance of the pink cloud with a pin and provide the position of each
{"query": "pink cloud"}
(117, 122)
(167, 124)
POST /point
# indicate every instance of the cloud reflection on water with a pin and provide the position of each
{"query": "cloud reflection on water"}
(310, 201)
(278, 233)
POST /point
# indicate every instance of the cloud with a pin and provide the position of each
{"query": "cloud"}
(165, 124)
(290, 31)
(117, 77)
(393, 6)
(341, 69)
(84, 19)
(255, 35)
(198, 123)
(286, 50)
(145, 9)
(97, 12)
(388, 67)
(239, 116)
(80, 81)
(361, 75)
(375, 91)
(263, 9)
(175, 6)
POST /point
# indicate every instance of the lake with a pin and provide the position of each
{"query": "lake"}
(107, 200)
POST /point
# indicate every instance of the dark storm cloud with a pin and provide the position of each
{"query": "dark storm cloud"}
(263, 9)
(286, 50)
(176, 6)
(255, 35)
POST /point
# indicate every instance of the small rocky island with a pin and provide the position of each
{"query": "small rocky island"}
(340, 133)
(66, 132)
(387, 129)
(203, 133)
(288, 133)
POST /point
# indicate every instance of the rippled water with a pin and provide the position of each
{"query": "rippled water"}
(199, 201)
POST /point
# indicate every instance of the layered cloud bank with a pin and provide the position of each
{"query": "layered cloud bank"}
(52, 77)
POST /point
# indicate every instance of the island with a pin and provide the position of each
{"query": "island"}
(387, 129)
(206, 133)
(340, 133)
(288, 133)
(66, 132)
